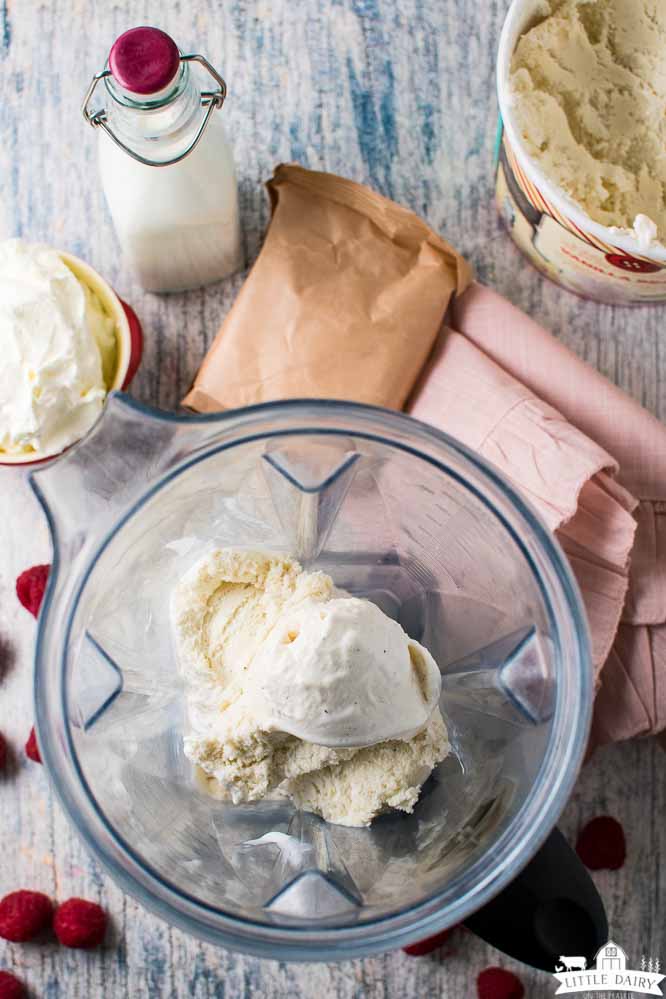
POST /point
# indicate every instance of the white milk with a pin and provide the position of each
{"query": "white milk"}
(178, 225)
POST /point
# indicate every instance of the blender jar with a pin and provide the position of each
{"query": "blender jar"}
(395, 511)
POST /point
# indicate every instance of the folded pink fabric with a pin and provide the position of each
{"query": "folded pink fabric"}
(592, 461)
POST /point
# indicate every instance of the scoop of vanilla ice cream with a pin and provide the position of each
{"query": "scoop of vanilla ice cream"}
(342, 673)
(375, 780)
(53, 333)
(295, 688)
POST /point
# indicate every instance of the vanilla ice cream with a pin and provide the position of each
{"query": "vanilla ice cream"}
(57, 345)
(588, 85)
(296, 688)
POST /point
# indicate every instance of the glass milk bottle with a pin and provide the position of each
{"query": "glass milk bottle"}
(166, 166)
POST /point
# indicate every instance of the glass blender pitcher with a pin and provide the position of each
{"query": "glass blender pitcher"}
(394, 511)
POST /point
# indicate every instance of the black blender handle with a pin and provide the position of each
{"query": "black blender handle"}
(552, 909)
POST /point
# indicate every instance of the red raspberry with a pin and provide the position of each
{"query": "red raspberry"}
(24, 914)
(601, 844)
(3, 752)
(10, 987)
(426, 946)
(30, 587)
(78, 923)
(498, 983)
(31, 747)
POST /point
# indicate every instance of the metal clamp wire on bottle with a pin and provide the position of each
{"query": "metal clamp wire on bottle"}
(210, 99)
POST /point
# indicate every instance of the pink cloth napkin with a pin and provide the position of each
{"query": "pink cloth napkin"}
(592, 461)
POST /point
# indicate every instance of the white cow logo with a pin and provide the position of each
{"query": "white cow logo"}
(609, 969)
(572, 964)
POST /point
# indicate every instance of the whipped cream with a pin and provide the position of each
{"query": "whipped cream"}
(56, 344)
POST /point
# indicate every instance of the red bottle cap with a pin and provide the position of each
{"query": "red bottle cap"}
(144, 60)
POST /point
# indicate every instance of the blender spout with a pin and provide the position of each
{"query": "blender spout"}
(112, 466)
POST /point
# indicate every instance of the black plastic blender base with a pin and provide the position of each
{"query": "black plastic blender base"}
(552, 909)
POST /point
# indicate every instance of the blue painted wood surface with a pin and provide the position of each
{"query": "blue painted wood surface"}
(396, 93)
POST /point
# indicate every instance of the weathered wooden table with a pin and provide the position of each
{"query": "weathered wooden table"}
(396, 93)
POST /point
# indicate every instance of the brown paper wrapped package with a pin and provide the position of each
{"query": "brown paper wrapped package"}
(344, 301)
